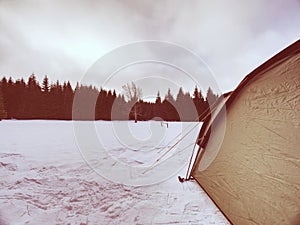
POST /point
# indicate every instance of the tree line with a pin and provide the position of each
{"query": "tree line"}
(32, 100)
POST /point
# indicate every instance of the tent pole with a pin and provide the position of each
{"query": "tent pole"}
(187, 177)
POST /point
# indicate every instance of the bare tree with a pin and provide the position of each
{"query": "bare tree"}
(133, 95)
(132, 92)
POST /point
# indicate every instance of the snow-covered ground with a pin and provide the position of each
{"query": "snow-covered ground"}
(49, 176)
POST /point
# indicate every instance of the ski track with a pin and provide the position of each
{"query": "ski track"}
(34, 192)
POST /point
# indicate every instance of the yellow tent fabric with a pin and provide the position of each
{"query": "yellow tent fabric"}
(255, 176)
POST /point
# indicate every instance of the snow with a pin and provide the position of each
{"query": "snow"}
(50, 173)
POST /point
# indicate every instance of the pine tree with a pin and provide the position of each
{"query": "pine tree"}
(196, 95)
(68, 96)
(56, 101)
(158, 99)
(180, 96)
(33, 101)
(20, 96)
(185, 106)
(3, 113)
(211, 97)
(45, 85)
(169, 97)
(119, 109)
(199, 102)
(157, 108)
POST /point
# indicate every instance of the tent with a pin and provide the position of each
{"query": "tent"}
(249, 156)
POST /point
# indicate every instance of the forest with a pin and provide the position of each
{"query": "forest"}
(54, 101)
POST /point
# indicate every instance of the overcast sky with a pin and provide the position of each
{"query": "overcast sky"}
(63, 39)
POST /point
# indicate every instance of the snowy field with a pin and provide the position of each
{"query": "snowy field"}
(49, 175)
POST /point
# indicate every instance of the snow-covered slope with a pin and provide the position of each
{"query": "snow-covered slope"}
(46, 179)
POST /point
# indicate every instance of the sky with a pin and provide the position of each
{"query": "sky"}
(66, 39)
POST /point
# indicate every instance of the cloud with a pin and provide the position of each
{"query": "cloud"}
(63, 38)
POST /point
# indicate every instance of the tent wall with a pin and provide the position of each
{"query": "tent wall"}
(255, 177)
